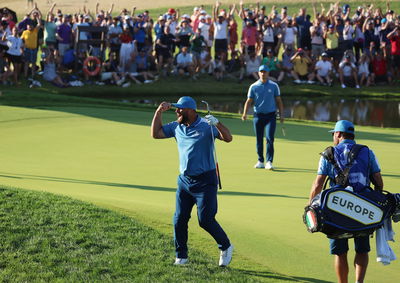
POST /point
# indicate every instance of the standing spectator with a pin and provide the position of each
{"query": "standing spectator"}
(14, 52)
(30, 38)
(301, 62)
(289, 33)
(369, 35)
(64, 36)
(197, 182)
(233, 33)
(304, 24)
(317, 40)
(197, 41)
(265, 95)
(348, 35)
(220, 32)
(249, 37)
(114, 32)
(139, 30)
(359, 39)
(348, 73)
(164, 47)
(50, 29)
(127, 48)
(394, 38)
(323, 70)
(205, 31)
(5, 72)
(268, 41)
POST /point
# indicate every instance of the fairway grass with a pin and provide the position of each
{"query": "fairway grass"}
(104, 155)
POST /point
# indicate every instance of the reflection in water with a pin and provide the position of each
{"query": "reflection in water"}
(379, 113)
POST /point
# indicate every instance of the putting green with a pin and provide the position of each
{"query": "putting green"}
(107, 157)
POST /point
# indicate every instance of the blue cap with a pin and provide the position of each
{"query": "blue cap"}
(343, 126)
(185, 102)
(263, 68)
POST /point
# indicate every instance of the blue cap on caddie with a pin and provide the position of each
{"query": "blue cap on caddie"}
(343, 126)
(185, 102)
(263, 68)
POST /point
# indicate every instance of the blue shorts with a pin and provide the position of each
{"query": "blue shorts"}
(30, 55)
(341, 246)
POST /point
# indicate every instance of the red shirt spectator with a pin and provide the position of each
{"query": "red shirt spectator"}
(395, 42)
(379, 66)
(249, 35)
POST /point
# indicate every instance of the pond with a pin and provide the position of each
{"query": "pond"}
(366, 112)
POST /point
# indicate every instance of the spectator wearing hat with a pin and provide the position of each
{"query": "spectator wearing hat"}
(331, 37)
(301, 63)
(348, 35)
(30, 39)
(164, 47)
(323, 69)
(267, 33)
(204, 28)
(139, 31)
(128, 47)
(184, 33)
(194, 19)
(303, 23)
(348, 73)
(370, 38)
(159, 27)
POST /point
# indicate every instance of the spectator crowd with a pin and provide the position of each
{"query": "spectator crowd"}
(352, 46)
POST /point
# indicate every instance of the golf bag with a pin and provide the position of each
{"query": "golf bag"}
(340, 212)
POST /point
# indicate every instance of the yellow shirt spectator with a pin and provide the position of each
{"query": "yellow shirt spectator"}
(332, 40)
(30, 38)
(300, 65)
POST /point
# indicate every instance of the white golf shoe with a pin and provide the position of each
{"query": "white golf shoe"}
(181, 261)
(259, 165)
(226, 256)
(269, 166)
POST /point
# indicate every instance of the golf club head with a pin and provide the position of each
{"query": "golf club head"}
(208, 107)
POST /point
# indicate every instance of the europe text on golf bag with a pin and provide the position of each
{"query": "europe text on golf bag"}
(342, 213)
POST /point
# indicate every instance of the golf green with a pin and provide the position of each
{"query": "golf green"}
(106, 156)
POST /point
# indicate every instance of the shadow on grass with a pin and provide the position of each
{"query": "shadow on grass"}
(274, 276)
(130, 186)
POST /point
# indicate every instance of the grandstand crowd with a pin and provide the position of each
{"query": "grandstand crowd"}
(351, 46)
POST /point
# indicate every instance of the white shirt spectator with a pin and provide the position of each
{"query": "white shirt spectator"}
(346, 68)
(114, 30)
(348, 32)
(363, 68)
(317, 38)
(252, 65)
(184, 60)
(268, 34)
(290, 34)
(14, 45)
(172, 27)
(323, 68)
(221, 30)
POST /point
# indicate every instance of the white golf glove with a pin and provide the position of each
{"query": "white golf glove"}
(211, 120)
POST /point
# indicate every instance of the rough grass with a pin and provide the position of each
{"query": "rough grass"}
(48, 238)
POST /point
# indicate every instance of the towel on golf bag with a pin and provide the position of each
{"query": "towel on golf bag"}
(384, 234)
(341, 213)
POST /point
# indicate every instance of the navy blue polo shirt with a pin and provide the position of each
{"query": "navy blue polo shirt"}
(195, 146)
(264, 96)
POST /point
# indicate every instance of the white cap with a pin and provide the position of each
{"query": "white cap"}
(127, 17)
(208, 17)
(203, 12)
(196, 8)
(186, 16)
(202, 18)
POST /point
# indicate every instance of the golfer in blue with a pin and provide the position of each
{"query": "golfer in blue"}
(197, 182)
(266, 97)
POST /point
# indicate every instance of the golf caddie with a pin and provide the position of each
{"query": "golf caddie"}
(197, 181)
(363, 171)
(266, 97)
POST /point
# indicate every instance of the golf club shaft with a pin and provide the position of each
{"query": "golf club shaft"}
(214, 150)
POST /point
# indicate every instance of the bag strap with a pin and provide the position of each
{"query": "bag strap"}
(342, 177)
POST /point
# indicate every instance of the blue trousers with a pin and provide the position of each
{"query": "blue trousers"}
(202, 191)
(265, 123)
